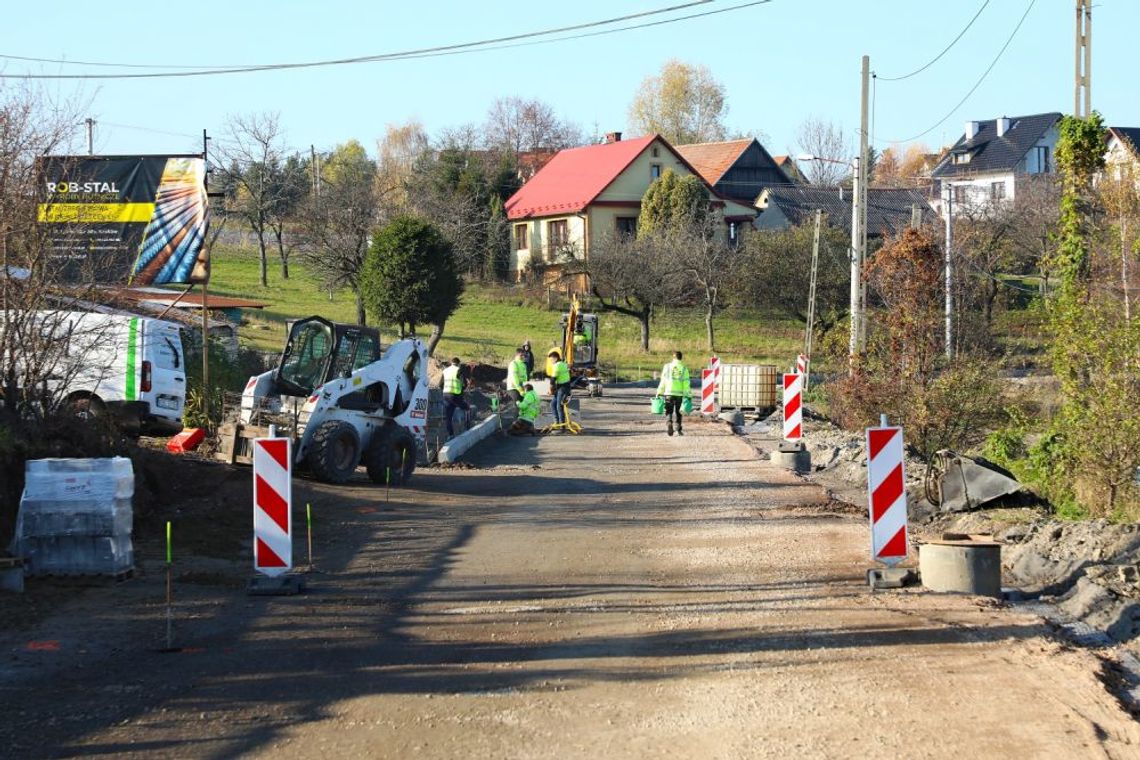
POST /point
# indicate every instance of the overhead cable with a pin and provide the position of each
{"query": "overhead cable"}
(977, 84)
(466, 47)
(945, 50)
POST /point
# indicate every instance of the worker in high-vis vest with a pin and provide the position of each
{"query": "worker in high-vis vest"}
(560, 377)
(674, 386)
(528, 412)
(453, 384)
(517, 376)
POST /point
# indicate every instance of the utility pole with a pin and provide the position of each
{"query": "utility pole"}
(949, 264)
(1082, 64)
(859, 219)
(205, 297)
(315, 163)
(90, 136)
(808, 333)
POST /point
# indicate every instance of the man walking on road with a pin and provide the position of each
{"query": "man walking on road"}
(561, 381)
(674, 386)
(517, 376)
(453, 385)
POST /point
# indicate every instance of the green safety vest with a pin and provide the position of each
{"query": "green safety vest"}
(528, 406)
(452, 382)
(516, 375)
(561, 373)
(582, 337)
(674, 380)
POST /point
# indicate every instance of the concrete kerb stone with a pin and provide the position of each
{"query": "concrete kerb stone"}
(460, 444)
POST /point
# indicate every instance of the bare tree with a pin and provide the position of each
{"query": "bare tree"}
(709, 264)
(337, 224)
(632, 277)
(516, 126)
(828, 142)
(399, 151)
(251, 156)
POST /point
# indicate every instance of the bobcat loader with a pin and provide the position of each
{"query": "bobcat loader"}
(340, 400)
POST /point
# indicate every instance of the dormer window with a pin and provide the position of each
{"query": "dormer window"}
(962, 158)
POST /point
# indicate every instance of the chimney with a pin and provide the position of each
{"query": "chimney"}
(971, 130)
(613, 137)
(1002, 125)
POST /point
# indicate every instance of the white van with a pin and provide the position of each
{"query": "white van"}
(130, 367)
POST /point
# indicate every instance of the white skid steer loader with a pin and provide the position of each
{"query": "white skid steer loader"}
(341, 402)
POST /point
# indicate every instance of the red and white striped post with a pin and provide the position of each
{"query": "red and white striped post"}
(802, 364)
(272, 505)
(708, 391)
(793, 407)
(886, 494)
(714, 365)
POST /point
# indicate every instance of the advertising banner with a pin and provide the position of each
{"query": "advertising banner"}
(139, 220)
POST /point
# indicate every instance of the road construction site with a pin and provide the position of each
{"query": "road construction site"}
(618, 593)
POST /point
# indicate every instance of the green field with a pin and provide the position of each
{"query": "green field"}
(493, 320)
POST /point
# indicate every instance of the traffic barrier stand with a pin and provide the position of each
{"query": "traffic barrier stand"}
(793, 412)
(273, 519)
(714, 365)
(802, 364)
(708, 391)
(886, 505)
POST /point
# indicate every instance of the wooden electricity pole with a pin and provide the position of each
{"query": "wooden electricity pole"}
(808, 333)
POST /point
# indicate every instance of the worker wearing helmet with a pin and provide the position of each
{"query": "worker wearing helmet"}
(674, 386)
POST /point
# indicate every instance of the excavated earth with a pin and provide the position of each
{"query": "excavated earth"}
(615, 594)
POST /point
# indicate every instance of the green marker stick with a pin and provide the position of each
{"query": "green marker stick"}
(169, 553)
(309, 525)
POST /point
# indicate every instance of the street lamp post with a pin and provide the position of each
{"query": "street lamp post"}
(857, 254)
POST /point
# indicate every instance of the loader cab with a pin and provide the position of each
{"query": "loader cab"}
(318, 351)
(580, 339)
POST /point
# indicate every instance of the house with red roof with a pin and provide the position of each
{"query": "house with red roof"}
(585, 195)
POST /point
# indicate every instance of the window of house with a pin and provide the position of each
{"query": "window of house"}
(997, 191)
(654, 171)
(626, 226)
(1041, 155)
(558, 233)
(962, 158)
(520, 238)
(655, 151)
(959, 194)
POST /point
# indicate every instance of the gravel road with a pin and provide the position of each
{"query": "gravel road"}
(618, 594)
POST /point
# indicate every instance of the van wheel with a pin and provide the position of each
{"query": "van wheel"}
(334, 452)
(89, 408)
(391, 456)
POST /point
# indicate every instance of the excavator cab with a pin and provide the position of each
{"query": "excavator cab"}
(580, 347)
(318, 351)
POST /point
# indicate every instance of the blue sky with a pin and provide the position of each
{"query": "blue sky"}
(780, 63)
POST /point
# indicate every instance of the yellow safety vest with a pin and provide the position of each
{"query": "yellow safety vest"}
(561, 373)
(516, 375)
(674, 380)
(528, 406)
(452, 382)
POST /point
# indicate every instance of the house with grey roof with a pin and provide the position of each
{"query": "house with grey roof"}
(993, 158)
(889, 210)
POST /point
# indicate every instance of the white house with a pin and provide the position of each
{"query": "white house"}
(992, 158)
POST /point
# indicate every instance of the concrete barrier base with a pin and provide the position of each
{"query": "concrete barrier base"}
(732, 416)
(964, 566)
(458, 446)
(796, 461)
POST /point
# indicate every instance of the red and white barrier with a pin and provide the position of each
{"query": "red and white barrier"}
(793, 406)
(802, 364)
(714, 365)
(272, 505)
(886, 494)
(708, 391)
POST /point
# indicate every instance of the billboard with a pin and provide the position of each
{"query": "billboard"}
(134, 219)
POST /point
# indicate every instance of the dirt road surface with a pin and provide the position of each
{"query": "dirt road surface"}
(620, 594)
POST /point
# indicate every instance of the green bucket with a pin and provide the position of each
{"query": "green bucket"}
(658, 405)
(687, 405)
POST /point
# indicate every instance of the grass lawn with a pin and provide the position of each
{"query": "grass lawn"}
(493, 321)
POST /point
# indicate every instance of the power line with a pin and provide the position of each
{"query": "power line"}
(149, 129)
(945, 50)
(488, 44)
(978, 83)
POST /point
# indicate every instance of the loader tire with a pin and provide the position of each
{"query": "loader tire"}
(391, 457)
(334, 452)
